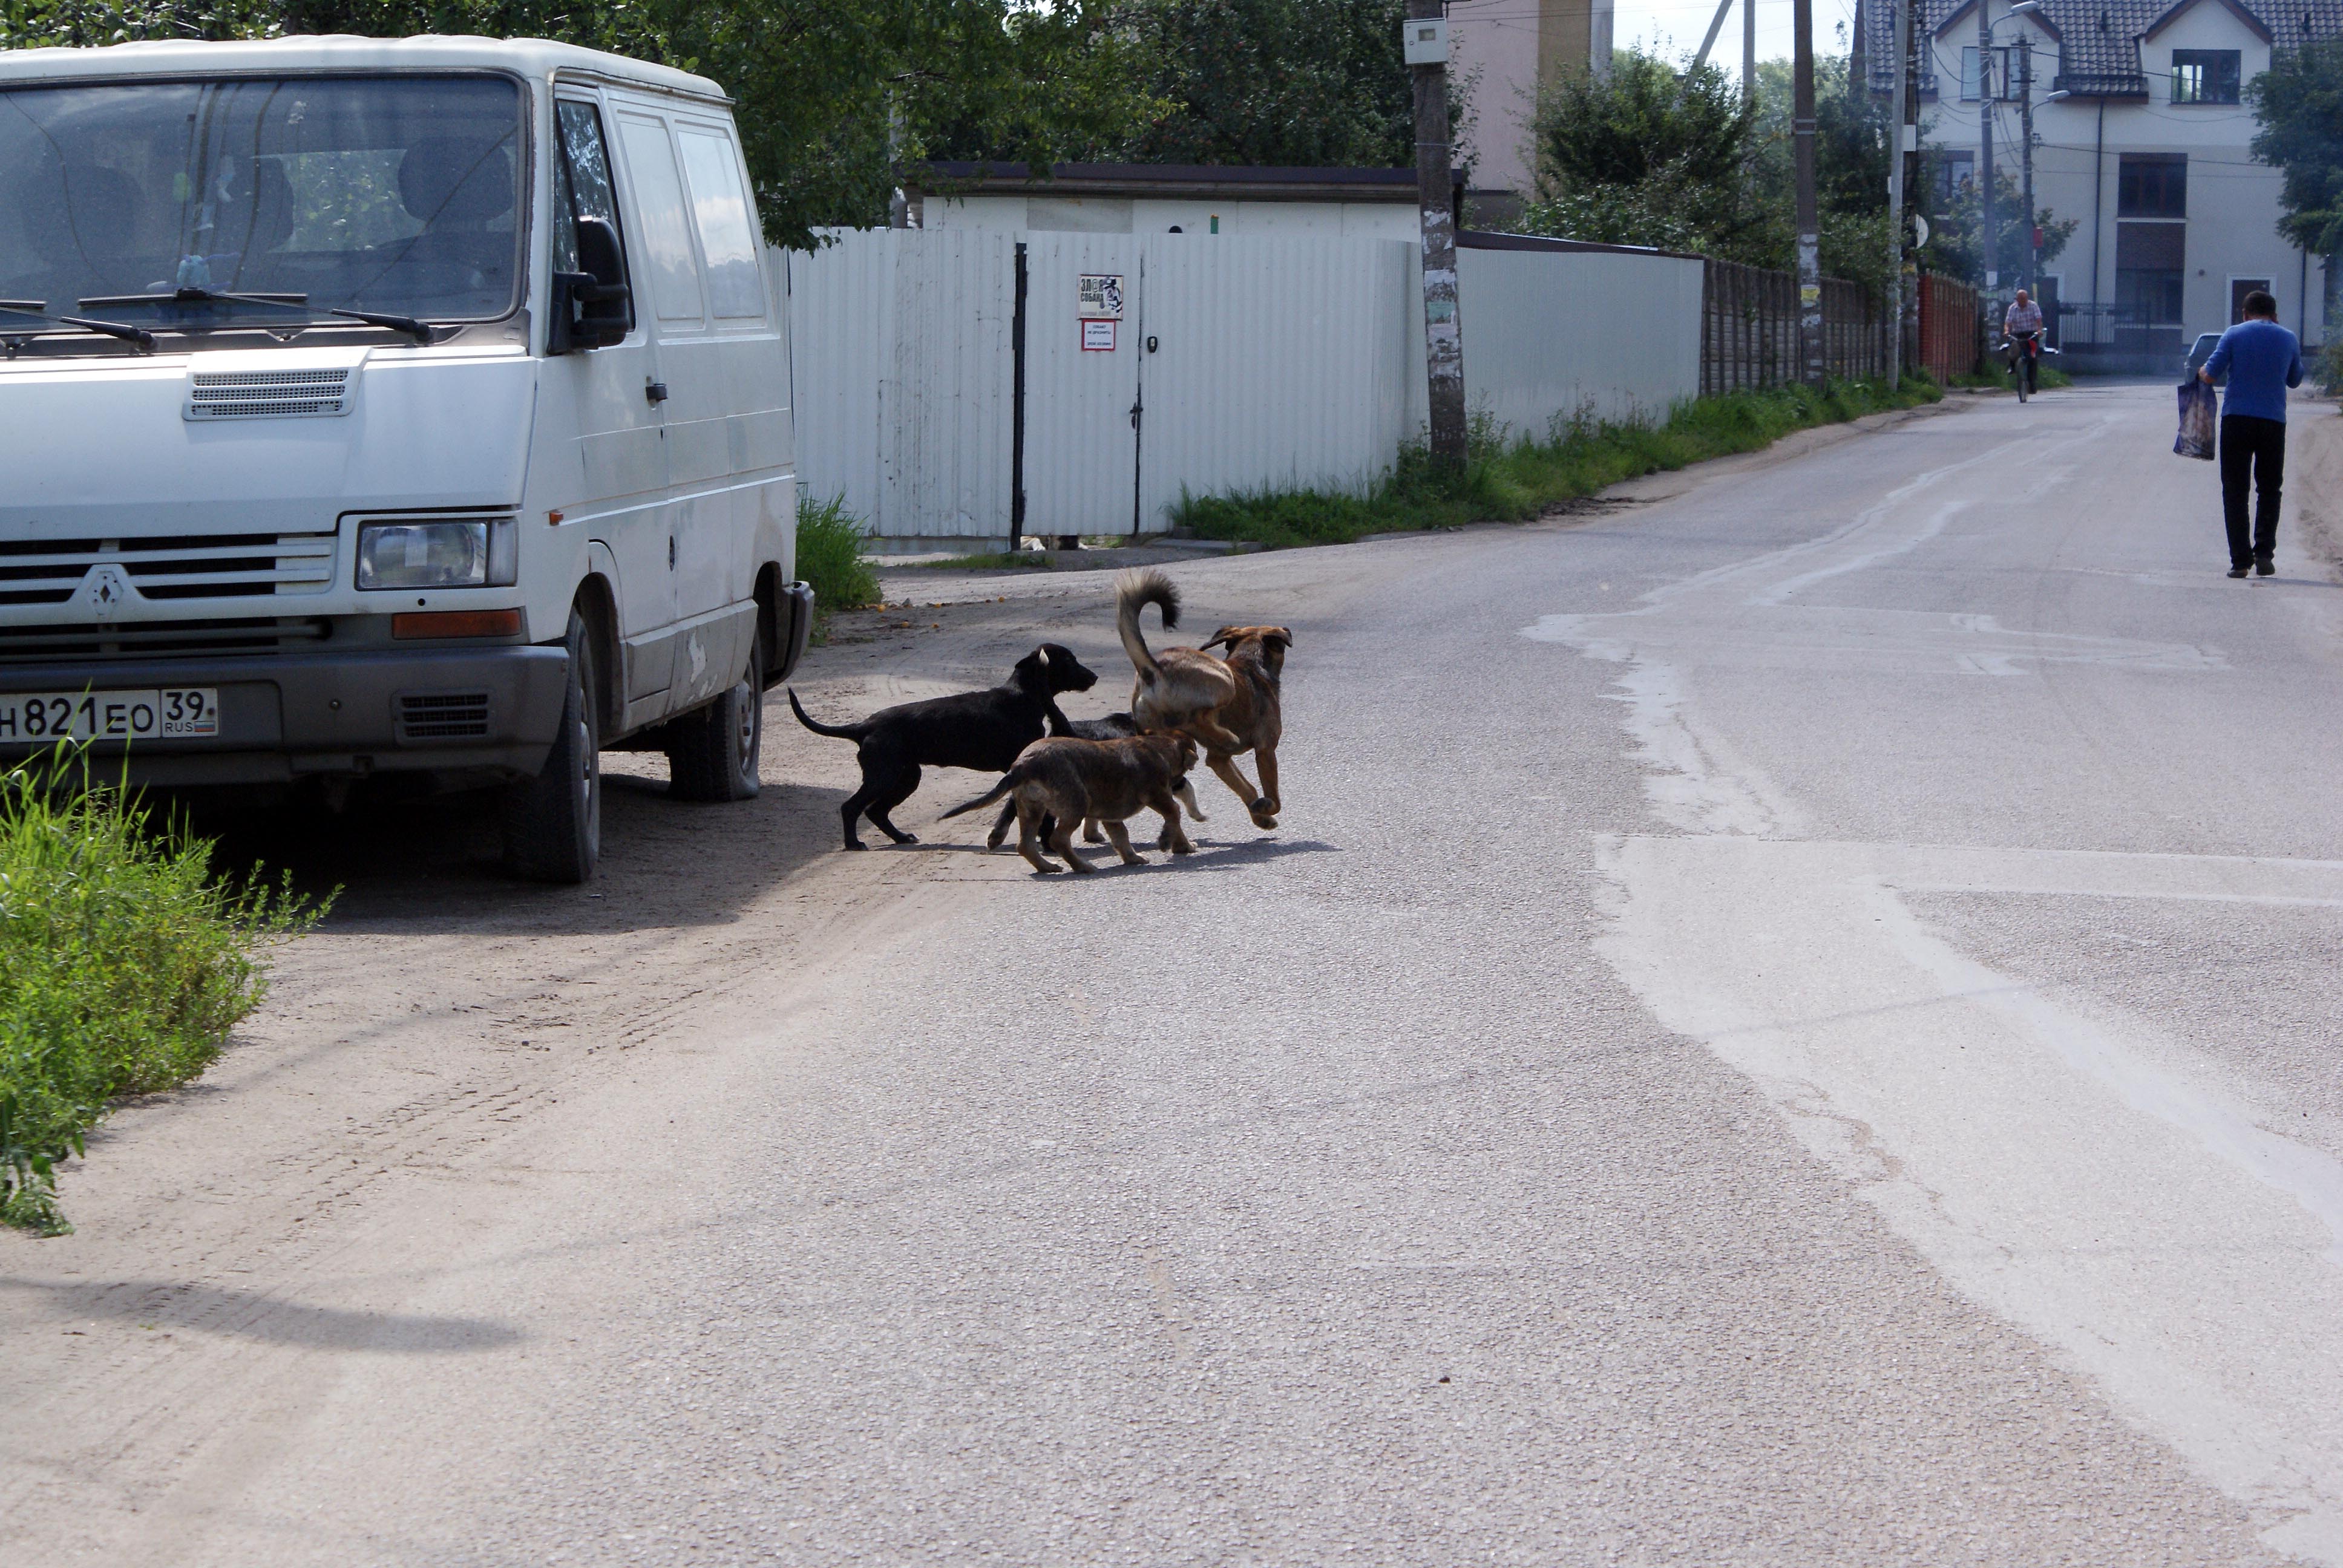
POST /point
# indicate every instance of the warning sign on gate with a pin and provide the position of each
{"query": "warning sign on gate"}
(1101, 297)
(1097, 336)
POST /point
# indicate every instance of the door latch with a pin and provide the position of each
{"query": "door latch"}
(655, 391)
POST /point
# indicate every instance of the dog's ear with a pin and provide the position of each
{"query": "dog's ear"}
(1277, 638)
(1226, 636)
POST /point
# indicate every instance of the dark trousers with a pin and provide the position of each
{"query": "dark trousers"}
(2253, 454)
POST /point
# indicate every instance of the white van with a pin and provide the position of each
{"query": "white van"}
(373, 407)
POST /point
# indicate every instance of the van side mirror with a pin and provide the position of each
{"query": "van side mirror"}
(592, 309)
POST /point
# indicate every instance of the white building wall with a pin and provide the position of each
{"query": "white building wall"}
(1550, 336)
(2233, 201)
(1493, 51)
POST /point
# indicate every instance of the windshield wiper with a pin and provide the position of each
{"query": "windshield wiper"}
(421, 328)
(139, 334)
(36, 308)
(189, 296)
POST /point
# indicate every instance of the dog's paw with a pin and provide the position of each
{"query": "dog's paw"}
(907, 838)
(1264, 820)
(1184, 849)
(856, 844)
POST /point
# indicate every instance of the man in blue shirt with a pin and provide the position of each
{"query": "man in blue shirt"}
(2263, 360)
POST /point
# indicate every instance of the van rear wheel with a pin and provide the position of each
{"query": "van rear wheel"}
(715, 752)
(553, 822)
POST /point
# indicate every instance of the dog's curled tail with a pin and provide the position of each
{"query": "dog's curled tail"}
(1009, 781)
(1133, 590)
(842, 731)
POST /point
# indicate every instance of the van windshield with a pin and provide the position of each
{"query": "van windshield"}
(390, 194)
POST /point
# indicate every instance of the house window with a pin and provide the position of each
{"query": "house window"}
(2204, 76)
(2152, 184)
(2239, 289)
(2004, 71)
(1955, 171)
(2151, 265)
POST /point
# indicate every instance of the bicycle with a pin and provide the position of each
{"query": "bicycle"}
(2024, 352)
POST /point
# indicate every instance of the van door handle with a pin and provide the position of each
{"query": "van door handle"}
(656, 391)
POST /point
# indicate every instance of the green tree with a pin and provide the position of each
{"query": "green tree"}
(2299, 102)
(818, 83)
(1306, 83)
(1641, 156)
(1954, 248)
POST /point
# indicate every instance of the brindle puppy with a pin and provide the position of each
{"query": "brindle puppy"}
(1071, 780)
(1231, 704)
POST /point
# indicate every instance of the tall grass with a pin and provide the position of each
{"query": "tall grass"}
(125, 961)
(1512, 479)
(830, 559)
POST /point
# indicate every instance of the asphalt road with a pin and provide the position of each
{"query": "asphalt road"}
(1789, 1020)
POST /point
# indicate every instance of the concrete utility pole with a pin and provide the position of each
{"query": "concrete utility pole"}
(1749, 54)
(1898, 101)
(1802, 135)
(1443, 338)
(1986, 236)
(2026, 156)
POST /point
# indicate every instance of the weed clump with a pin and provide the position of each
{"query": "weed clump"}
(125, 961)
(1514, 479)
(830, 559)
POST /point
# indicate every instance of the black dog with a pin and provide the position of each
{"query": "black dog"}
(982, 731)
(1113, 727)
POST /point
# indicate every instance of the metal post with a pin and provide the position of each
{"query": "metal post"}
(1897, 103)
(1802, 132)
(2026, 156)
(1017, 411)
(1749, 54)
(1443, 342)
(1986, 237)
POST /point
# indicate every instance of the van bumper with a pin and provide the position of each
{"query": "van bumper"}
(284, 716)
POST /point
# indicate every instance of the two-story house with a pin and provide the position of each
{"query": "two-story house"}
(2142, 135)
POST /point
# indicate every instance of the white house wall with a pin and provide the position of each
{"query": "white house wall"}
(1022, 213)
(2233, 201)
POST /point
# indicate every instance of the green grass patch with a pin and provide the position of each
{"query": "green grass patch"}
(1512, 479)
(125, 961)
(830, 559)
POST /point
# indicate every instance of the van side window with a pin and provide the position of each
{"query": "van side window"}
(581, 180)
(667, 233)
(727, 239)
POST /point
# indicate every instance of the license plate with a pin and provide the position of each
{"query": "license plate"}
(171, 713)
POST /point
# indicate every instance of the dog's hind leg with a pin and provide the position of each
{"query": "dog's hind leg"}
(1225, 767)
(1029, 842)
(894, 788)
(1091, 831)
(1212, 735)
(1121, 837)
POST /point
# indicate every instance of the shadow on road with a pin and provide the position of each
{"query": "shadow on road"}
(163, 1304)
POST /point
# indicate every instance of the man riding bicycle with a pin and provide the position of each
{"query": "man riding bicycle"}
(2022, 325)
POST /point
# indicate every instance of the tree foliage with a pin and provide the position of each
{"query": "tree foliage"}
(1954, 249)
(2299, 102)
(834, 96)
(1275, 82)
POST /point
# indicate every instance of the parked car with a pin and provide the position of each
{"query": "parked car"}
(390, 406)
(2201, 351)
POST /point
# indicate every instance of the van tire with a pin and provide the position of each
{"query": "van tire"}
(553, 822)
(715, 751)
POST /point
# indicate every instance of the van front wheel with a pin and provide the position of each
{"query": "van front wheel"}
(553, 822)
(715, 751)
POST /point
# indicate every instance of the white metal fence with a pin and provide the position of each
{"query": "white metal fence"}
(1235, 364)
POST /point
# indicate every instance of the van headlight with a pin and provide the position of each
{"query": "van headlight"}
(439, 553)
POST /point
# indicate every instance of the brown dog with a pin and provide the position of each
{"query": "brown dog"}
(1071, 781)
(1231, 705)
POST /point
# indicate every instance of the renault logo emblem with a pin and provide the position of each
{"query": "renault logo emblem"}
(104, 591)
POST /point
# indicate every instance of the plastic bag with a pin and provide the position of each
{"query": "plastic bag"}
(2198, 411)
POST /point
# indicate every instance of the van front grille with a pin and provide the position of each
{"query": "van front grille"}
(191, 566)
(268, 394)
(442, 716)
(22, 644)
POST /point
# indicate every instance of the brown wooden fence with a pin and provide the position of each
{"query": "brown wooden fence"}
(1949, 343)
(1749, 330)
